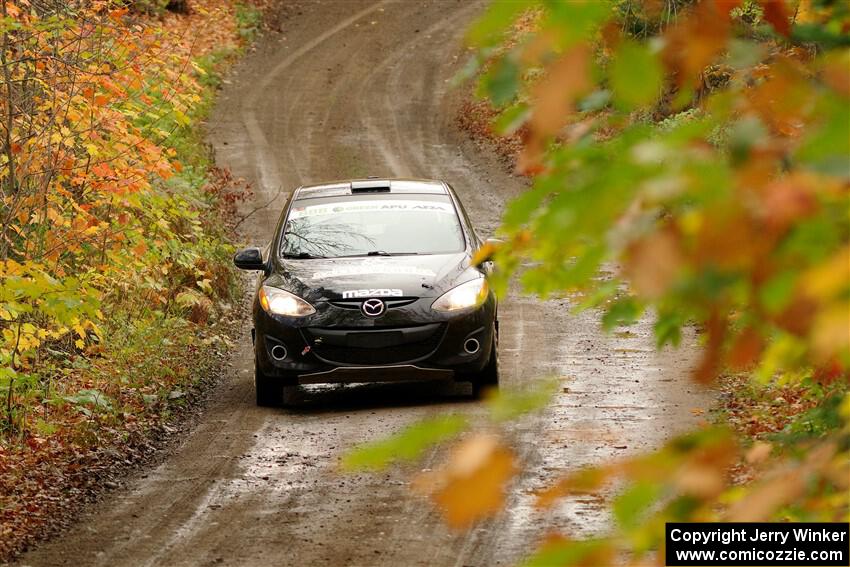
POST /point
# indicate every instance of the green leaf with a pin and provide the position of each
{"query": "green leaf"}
(565, 553)
(636, 75)
(511, 119)
(406, 445)
(490, 27)
(777, 291)
(631, 506)
(600, 294)
(826, 148)
(743, 135)
(624, 311)
(501, 82)
(668, 328)
(506, 406)
(520, 210)
(577, 20)
(90, 397)
(597, 100)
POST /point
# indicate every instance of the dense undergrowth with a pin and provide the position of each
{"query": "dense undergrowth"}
(114, 245)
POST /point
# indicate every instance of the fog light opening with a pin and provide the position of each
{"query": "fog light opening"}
(279, 352)
(471, 346)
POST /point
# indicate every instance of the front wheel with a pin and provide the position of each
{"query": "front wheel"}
(488, 378)
(269, 390)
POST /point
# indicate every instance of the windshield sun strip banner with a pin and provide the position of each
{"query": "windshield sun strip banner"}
(385, 205)
(342, 271)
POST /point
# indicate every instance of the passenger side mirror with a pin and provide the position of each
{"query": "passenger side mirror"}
(250, 259)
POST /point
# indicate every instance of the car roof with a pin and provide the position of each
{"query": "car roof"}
(371, 185)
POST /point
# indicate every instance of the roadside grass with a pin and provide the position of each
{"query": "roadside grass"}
(249, 19)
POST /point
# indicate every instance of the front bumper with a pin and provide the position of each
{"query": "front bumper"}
(398, 373)
(340, 345)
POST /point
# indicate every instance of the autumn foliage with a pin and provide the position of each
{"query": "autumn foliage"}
(114, 259)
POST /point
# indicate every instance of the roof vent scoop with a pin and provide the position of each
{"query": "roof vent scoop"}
(370, 186)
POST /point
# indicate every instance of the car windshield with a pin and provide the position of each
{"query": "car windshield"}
(373, 225)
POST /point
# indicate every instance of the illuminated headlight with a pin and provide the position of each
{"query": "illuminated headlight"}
(280, 302)
(470, 294)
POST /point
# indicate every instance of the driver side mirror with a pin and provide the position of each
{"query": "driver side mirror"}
(250, 259)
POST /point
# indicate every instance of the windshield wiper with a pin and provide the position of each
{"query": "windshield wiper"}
(302, 256)
(380, 253)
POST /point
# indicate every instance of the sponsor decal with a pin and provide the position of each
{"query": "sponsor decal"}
(385, 205)
(369, 269)
(381, 292)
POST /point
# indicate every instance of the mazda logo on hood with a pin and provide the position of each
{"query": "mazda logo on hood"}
(373, 307)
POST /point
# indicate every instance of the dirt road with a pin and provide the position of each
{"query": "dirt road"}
(349, 89)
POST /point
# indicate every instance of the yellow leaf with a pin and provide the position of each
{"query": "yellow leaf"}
(829, 278)
(831, 331)
(484, 253)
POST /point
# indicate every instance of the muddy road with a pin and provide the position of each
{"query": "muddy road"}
(350, 89)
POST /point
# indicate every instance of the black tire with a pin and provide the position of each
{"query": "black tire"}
(488, 378)
(269, 390)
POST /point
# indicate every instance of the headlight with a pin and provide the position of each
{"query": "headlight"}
(282, 302)
(470, 294)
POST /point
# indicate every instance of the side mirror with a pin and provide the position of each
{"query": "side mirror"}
(250, 259)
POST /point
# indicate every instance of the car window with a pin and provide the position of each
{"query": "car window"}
(373, 224)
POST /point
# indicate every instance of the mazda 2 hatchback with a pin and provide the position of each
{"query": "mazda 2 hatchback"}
(371, 281)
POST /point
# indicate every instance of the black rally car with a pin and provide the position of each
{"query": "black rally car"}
(371, 281)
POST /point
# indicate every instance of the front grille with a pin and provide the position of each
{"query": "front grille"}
(375, 346)
(356, 303)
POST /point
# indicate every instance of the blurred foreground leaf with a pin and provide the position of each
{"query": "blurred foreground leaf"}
(507, 405)
(406, 445)
(471, 485)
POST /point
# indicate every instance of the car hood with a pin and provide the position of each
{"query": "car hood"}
(353, 278)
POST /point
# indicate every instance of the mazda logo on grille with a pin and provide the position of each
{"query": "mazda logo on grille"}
(373, 307)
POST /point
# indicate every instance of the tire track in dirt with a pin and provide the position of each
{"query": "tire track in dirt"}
(353, 88)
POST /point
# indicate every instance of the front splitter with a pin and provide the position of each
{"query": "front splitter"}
(397, 373)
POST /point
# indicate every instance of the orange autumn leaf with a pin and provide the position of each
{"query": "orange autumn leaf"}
(836, 73)
(653, 263)
(725, 7)
(483, 254)
(567, 79)
(781, 489)
(585, 481)
(696, 41)
(776, 14)
(710, 364)
(746, 349)
(471, 485)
